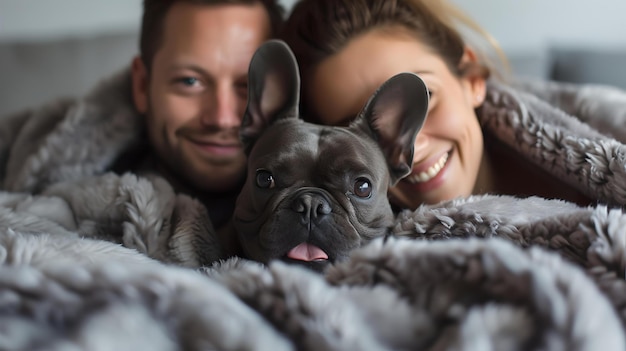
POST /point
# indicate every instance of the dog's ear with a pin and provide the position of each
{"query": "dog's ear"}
(393, 116)
(273, 89)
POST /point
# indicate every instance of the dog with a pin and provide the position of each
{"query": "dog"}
(313, 193)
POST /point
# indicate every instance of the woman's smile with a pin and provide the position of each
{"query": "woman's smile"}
(429, 173)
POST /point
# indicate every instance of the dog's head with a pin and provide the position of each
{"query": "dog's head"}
(315, 192)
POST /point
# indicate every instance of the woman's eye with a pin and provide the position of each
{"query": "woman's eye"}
(241, 85)
(432, 100)
(362, 188)
(265, 179)
(242, 89)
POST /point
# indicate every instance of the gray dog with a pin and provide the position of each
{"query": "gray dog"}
(313, 192)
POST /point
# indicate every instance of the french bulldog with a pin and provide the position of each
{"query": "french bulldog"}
(313, 193)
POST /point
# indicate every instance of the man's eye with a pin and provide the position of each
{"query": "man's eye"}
(188, 81)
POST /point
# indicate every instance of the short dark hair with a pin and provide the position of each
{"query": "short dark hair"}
(155, 11)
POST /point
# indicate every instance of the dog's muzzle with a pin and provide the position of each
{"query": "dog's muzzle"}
(312, 204)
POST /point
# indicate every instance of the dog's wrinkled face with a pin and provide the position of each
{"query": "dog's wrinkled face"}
(313, 193)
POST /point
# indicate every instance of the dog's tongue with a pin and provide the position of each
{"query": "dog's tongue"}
(307, 252)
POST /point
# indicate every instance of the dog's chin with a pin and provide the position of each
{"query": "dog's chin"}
(316, 249)
(317, 265)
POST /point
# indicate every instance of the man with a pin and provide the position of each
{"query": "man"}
(191, 83)
(175, 116)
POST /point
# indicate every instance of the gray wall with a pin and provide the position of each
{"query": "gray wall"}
(567, 40)
(52, 19)
(530, 24)
(57, 48)
(517, 24)
(53, 48)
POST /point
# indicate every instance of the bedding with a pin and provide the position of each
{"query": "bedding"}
(122, 262)
(464, 275)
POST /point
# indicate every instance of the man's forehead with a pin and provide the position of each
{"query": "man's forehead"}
(196, 18)
(212, 35)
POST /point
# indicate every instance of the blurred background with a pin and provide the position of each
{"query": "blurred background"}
(54, 48)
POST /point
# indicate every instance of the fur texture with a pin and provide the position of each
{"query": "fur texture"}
(91, 260)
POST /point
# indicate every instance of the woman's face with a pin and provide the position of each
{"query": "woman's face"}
(449, 148)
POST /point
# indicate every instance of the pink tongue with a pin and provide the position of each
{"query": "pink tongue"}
(307, 252)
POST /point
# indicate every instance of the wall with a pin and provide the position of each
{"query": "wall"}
(51, 19)
(517, 24)
(531, 24)
(566, 40)
(53, 48)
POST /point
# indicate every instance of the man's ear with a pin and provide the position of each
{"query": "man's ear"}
(139, 75)
(475, 75)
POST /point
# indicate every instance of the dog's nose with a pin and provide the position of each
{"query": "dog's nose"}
(311, 206)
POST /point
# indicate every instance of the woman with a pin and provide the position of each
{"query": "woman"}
(347, 48)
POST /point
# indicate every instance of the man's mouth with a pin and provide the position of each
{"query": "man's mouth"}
(308, 253)
(220, 148)
(429, 173)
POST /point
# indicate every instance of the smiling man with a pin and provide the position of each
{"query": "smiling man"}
(193, 88)
(191, 84)
(175, 114)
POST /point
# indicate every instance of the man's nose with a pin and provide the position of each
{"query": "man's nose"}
(224, 109)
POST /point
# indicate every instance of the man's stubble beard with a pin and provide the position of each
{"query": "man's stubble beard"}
(177, 166)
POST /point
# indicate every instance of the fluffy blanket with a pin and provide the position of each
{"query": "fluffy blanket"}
(120, 262)
(563, 291)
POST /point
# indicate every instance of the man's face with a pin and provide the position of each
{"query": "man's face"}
(195, 95)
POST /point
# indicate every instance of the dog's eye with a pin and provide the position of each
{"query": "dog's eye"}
(362, 188)
(264, 179)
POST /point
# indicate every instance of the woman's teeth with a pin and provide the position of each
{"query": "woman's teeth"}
(430, 173)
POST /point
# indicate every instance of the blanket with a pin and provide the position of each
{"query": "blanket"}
(122, 262)
(499, 282)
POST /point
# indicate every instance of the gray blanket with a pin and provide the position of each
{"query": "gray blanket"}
(122, 263)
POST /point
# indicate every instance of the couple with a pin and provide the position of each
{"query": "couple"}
(155, 150)
(173, 118)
